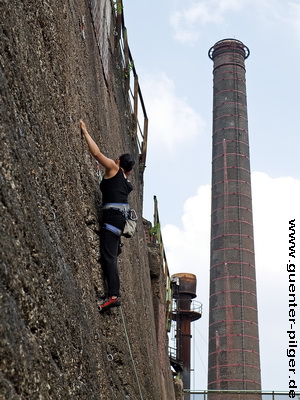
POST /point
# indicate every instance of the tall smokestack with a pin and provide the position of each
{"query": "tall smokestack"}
(234, 362)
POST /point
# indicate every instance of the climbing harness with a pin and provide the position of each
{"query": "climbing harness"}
(112, 229)
(123, 207)
(129, 215)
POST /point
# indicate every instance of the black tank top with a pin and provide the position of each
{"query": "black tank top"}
(115, 189)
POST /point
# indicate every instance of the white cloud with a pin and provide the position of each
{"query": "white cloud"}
(172, 120)
(187, 249)
(293, 17)
(275, 202)
(189, 20)
(230, 5)
(185, 22)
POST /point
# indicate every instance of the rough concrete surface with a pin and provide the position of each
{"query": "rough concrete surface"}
(53, 342)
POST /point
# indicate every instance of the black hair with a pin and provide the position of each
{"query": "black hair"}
(127, 162)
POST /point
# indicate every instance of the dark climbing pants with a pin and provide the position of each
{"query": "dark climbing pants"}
(109, 251)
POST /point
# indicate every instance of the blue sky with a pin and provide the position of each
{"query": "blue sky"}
(169, 41)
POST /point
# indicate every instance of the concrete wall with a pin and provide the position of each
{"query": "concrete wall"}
(53, 342)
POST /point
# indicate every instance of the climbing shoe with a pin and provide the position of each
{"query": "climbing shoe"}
(109, 303)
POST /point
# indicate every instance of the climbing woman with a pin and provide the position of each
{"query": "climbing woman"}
(115, 188)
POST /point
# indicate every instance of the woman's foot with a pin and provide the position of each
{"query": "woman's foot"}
(111, 301)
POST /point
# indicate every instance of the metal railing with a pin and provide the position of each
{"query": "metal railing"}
(238, 395)
(133, 88)
(195, 306)
(172, 353)
(113, 26)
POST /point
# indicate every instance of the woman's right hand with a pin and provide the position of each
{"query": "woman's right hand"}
(83, 127)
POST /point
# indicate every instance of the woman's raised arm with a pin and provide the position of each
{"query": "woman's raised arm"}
(109, 164)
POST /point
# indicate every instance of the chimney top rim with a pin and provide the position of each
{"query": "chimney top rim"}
(229, 42)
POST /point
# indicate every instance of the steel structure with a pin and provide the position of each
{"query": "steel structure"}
(234, 362)
(185, 312)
